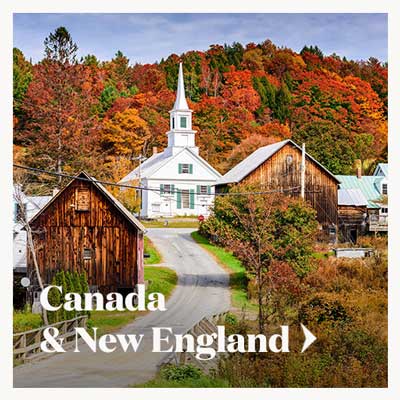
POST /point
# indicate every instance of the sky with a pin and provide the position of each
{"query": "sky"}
(146, 38)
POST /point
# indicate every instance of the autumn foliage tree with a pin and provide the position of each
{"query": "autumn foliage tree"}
(242, 96)
(59, 129)
(267, 232)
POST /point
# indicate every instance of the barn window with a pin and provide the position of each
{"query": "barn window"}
(82, 199)
(87, 254)
(289, 164)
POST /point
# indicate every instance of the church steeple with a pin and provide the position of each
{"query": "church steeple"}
(181, 134)
(180, 102)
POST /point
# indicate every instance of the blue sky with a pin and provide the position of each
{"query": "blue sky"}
(146, 38)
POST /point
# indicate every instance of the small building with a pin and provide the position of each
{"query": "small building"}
(278, 167)
(84, 228)
(374, 189)
(176, 181)
(353, 216)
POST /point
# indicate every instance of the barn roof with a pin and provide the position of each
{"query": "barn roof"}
(351, 197)
(118, 205)
(258, 157)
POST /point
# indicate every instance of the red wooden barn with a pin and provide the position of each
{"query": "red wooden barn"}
(85, 228)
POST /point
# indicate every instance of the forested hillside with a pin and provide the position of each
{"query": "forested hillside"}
(75, 114)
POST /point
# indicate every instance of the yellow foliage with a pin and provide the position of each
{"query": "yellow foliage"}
(125, 133)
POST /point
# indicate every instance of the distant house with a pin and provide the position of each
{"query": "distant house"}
(84, 228)
(26, 207)
(374, 191)
(177, 181)
(278, 167)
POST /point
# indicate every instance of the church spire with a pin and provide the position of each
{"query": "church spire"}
(181, 134)
(180, 102)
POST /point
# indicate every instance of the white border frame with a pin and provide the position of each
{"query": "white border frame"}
(8, 7)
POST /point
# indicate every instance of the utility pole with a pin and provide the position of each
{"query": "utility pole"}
(140, 158)
(303, 170)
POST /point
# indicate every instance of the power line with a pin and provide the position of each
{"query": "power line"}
(127, 186)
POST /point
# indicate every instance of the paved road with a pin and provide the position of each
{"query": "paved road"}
(202, 290)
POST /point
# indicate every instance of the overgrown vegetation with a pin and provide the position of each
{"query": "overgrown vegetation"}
(172, 376)
(344, 303)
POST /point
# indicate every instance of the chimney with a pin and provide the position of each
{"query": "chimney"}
(358, 169)
(155, 150)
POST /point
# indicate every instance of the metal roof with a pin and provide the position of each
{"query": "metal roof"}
(255, 159)
(383, 168)
(366, 184)
(351, 197)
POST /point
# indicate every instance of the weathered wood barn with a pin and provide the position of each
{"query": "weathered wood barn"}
(84, 228)
(278, 167)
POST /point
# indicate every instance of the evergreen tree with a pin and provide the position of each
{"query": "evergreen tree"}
(84, 286)
(59, 47)
(55, 300)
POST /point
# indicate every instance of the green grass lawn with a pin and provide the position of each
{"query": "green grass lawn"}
(182, 222)
(149, 248)
(238, 279)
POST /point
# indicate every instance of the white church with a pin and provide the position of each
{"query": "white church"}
(176, 181)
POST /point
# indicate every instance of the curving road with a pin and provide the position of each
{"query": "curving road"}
(202, 290)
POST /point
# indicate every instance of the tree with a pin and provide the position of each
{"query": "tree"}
(59, 47)
(313, 50)
(125, 133)
(329, 144)
(363, 148)
(22, 77)
(263, 231)
(59, 128)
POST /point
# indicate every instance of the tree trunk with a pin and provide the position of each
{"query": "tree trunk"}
(35, 263)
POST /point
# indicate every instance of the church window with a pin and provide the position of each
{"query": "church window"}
(203, 189)
(185, 168)
(183, 122)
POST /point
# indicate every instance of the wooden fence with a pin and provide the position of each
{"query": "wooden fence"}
(204, 326)
(26, 344)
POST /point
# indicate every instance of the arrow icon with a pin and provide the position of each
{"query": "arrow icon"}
(310, 338)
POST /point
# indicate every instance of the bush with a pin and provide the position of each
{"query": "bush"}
(180, 372)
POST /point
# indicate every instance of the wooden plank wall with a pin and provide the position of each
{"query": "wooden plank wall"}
(62, 233)
(321, 188)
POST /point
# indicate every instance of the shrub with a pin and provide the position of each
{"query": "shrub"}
(180, 372)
